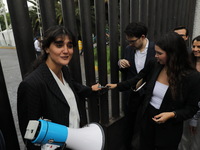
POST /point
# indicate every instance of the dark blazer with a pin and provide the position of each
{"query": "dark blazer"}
(129, 55)
(40, 96)
(185, 106)
(130, 98)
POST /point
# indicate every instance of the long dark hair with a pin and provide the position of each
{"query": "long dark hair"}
(50, 35)
(178, 62)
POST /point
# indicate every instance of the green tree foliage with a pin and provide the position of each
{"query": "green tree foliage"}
(36, 23)
(2, 19)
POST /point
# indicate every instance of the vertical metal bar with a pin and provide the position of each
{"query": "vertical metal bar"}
(134, 10)
(152, 19)
(144, 11)
(22, 33)
(178, 7)
(183, 13)
(170, 15)
(175, 8)
(187, 13)
(88, 55)
(69, 20)
(7, 125)
(113, 25)
(102, 56)
(158, 18)
(191, 18)
(164, 17)
(179, 10)
(48, 14)
(124, 21)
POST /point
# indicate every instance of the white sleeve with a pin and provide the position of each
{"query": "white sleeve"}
(37, 45)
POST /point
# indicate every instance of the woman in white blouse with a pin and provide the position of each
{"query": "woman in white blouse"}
(49, 91)
(171, 95)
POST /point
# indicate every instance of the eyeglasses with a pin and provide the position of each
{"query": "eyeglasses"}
(132, 41)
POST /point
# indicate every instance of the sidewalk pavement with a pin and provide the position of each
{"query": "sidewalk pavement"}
(12, 75)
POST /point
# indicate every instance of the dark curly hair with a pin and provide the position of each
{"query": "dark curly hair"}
(136, 29)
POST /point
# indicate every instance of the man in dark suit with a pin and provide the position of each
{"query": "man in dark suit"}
(184, 33)
(136, 55)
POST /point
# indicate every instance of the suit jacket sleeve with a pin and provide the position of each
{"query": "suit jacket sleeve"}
(82, 91)
(131, 83)
(28, 99)
(191, 89)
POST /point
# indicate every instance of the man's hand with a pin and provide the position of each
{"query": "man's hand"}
(123, 63)
(111, 86)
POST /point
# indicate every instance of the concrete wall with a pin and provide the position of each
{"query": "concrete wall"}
(7, 38)
(196, 29)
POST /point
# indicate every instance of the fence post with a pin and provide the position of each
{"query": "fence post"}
(22, 33)
(88, 55)
(134, 10)
(7, 125)
(102, 57)
(48, 14)
(114, 49)
(69, 20)
(151, 20)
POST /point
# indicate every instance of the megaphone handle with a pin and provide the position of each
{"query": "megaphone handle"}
(49, 147)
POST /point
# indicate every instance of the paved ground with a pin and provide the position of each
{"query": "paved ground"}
(12, 75)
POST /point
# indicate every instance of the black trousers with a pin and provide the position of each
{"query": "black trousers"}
(130, 110)
(149, 131)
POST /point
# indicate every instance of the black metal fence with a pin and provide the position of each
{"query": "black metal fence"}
(160, 16)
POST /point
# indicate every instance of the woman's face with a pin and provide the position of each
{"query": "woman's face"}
(60, 52)
(196, 48)
(161, 55)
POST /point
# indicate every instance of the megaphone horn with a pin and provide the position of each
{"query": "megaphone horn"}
(90, 137)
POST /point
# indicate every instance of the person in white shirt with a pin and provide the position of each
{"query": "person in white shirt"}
(37, 45)
(171, 95)
(136, 55)
(49, 90)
